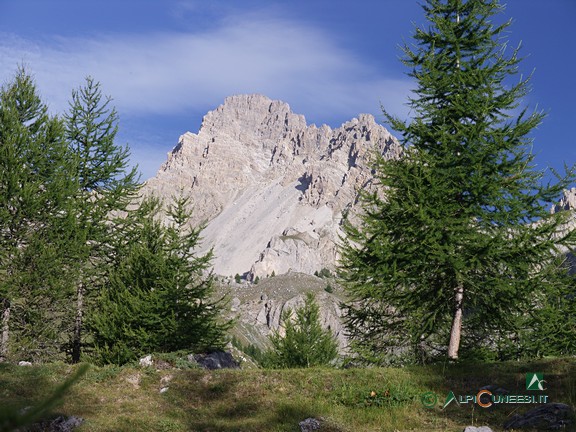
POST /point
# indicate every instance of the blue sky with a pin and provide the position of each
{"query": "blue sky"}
(167, 62)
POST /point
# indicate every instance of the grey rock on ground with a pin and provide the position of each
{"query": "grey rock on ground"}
(217, 360)
(310, 424)
(552, 416)
(58, 424)
(477, 429)
(146, 361)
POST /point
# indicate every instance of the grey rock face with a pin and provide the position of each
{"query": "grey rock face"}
(271, 187)
(568, 201)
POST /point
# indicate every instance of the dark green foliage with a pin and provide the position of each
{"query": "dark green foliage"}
(306, 343)
(91, 127)
(237, 278)
(105, 187)
(158, 294)
(251, 350)
(61, 181)
(550, 327)
(257, 280)
(66, 234)
(329, 289)
(254, 352)
(324, 273)
(235, 342)
(68, 241)
(35, 191)
(460, 225)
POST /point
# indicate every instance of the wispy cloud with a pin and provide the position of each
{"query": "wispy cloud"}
(164, 73)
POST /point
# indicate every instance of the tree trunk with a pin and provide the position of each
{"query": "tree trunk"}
(5, 329)
(77, 338)
(456, 329)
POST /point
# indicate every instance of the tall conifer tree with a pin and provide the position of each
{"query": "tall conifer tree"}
(105, 187)
(35, 188)
(458, 240)
(158, 295)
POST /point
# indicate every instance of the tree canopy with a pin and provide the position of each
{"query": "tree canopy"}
(35, 191)
(158, 297)
(457, 239)
(78, 245)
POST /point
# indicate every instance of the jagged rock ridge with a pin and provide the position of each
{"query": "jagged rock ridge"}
(271, 188)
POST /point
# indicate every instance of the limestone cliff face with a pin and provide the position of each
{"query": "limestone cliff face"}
(271, 188)
(567, 202)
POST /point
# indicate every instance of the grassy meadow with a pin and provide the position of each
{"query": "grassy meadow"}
(374, 399)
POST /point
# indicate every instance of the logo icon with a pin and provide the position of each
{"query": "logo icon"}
(534, 381)
(429, 400)
(451, 397)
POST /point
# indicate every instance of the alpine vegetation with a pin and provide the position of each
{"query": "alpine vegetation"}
(456, 252)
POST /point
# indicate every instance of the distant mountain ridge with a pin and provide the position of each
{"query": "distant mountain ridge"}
(270, 187)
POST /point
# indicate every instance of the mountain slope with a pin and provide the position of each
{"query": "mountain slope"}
(270, 187)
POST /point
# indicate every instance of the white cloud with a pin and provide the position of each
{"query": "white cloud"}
(171, 72)
(159, 75)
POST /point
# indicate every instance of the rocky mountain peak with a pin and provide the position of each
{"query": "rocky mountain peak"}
(269, 119)
(271, 187)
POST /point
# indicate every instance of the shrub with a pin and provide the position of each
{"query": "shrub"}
(306, 343)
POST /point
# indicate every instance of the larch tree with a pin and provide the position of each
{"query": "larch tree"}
(305, 343)
(35, 191)
(159, 291)
(457, 240)
(105, 188)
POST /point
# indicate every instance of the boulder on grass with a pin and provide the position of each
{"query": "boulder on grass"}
(552, 416)
(146, 361)
(57, 424)
(310, 424)
(217, 360)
